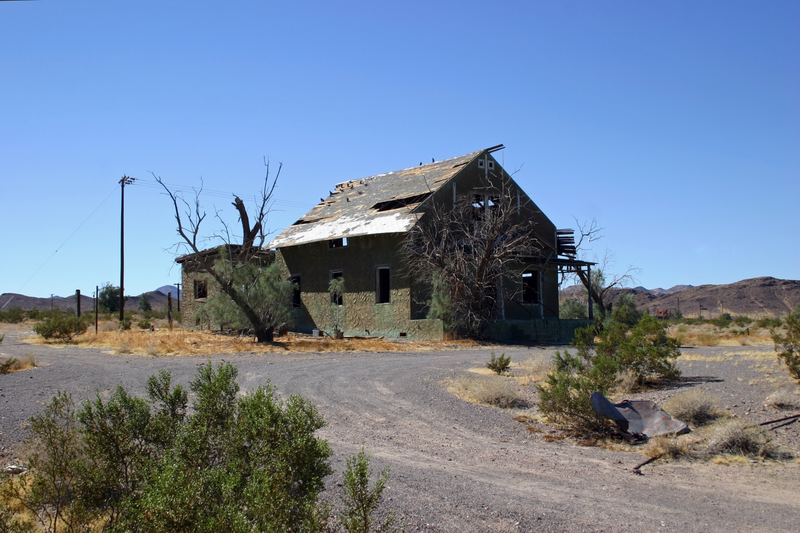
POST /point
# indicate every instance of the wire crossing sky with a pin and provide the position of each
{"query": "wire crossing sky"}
(676, 124)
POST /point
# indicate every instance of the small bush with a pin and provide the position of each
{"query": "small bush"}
(788, 344)
(736, 437)
(487, 390)
(723, 321)
(499, 365)
(12, 364)
(14, 315)
(362, 501)
(145, 324)
(769, 323)
(694, 407)
(61, 327)
(625, 311)
(232, 462)
(636, 354)
(125, 325)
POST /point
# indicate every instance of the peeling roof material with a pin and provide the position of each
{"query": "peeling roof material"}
(384, 203)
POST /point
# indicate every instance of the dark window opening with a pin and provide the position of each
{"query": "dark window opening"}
(397, 203)
(531, 293)
(296, 298)
(337, 298)
(200, 289)
(383, 288)
(337, 243)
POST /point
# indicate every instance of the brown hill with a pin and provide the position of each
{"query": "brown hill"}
(10, 300)
(757, 297)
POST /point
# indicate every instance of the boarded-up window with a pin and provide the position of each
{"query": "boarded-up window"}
(296, 298)
(200, 289)
(337, 297)
(531, 287)
(382, 285)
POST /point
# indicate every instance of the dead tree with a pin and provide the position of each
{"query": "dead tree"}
(473, 248)
(599, 285)
(189, 218)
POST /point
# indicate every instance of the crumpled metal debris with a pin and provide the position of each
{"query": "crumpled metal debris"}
(14, 470)
(638, 417)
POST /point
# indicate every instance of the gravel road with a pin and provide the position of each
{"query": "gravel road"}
(454, 466)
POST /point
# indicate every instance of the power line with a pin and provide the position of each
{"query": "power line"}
(72, 234)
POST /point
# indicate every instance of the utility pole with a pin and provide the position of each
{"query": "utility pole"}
(178, 285)
(124, 180)
(96, 306)
(78, 301)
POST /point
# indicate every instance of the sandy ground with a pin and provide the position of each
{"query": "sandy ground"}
(461, 467)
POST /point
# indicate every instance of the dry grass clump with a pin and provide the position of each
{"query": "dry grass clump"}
(488, 390)
(627, 382)
(712, 335)
(529, 371)
(13, 364)
(665, 446)
(736, 437)
(787, 399)
(197, 342)
(694, 407)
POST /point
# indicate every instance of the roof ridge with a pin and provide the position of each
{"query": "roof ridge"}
(363, 178)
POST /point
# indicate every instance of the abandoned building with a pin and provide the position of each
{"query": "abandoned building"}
(357, 232)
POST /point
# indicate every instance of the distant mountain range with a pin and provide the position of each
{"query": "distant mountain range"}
(157, 299)
(756, 297)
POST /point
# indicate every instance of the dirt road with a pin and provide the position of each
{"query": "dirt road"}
(454, 466)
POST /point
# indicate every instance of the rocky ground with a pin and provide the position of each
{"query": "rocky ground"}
(460, 467)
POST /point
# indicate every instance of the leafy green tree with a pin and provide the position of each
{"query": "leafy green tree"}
(108, 298)
(264, 289)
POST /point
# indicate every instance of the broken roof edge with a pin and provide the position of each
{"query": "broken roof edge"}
(348, 227)
(264, 250)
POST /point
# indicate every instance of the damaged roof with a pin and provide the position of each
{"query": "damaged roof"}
(384, 203)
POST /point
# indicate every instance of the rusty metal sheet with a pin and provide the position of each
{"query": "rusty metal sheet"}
(638, 417)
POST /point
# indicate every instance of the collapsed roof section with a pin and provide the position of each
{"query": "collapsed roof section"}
(385, 203)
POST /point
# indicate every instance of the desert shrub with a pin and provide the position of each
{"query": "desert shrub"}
(787, 344)
(14, 315)
(125, 324)
(361, 501)
(636, 354)
(233, 462)
(145, 324)
(625, 311)
(723, 321)
(487, 390)
(644, 349)
(737, 437)
(769, 322)
(499, 365)
(742, 320)
(783, 399)
(564, 396)
(61, 327)
(693, 407)
(572, 308)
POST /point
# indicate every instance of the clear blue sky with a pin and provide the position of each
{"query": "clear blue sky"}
(675, 124)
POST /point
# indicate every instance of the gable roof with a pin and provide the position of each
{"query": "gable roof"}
(384, 203)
